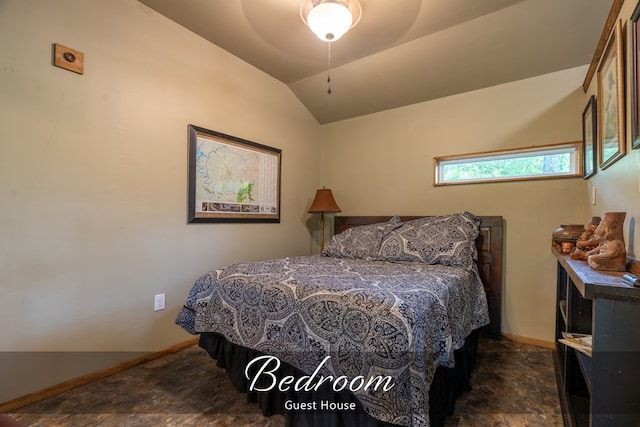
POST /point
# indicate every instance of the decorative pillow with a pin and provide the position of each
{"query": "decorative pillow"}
(361, 242)
(446, 239)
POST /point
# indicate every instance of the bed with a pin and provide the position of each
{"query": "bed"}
(381, 329)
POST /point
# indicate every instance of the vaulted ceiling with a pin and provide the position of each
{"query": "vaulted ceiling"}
(402, 51)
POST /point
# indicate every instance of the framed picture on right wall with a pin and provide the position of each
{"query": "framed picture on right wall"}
(635, 78)
(589, 132)
(611, 112)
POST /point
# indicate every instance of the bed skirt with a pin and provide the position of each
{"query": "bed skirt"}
(447, 385)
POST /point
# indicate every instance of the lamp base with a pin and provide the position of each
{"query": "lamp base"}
(321, 232)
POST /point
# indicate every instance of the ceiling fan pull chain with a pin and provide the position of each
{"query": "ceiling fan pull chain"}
(329, 68)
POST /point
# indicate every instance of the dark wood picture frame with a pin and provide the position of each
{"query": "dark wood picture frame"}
(589, 136)
(635, 77)
(232, 179)
(611, 111)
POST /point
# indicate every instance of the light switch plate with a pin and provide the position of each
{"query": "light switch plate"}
(68, 58)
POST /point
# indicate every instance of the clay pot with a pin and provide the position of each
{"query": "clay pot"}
(564, 238)
(568, 232)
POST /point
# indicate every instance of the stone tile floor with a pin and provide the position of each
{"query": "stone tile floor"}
(513, 385)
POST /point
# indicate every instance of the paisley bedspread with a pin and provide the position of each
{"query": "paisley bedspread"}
(397, 319)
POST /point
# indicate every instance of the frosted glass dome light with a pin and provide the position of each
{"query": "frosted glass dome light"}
(330, 20)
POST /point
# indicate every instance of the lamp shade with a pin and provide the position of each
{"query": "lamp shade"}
(330, 20)
(324, 202)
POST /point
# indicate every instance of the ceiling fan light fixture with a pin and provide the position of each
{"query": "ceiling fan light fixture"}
(331, 19)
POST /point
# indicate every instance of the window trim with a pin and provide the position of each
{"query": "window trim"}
(575, 147)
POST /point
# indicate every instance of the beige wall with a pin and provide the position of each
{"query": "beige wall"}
(93, 178)
(618, 186)
(383, 164)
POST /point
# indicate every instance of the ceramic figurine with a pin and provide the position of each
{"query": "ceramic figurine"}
(610, 254)
(585, 242)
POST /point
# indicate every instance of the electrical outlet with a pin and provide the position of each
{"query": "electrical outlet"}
(158, 302)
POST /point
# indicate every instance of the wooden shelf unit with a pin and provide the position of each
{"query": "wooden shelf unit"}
(602, 390)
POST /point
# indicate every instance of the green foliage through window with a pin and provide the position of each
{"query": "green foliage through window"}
(531, 163)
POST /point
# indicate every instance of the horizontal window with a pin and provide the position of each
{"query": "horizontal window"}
(550, 161)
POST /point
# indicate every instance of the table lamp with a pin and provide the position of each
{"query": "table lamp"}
(323, 203)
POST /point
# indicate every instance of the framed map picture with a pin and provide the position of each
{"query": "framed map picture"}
(232, 179)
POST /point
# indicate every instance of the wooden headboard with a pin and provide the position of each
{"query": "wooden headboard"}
(489, 244)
